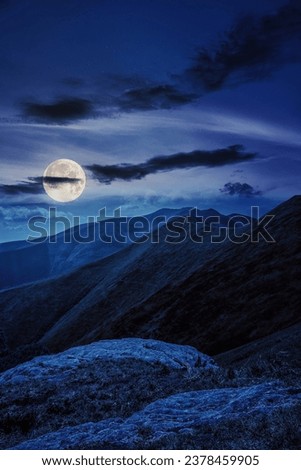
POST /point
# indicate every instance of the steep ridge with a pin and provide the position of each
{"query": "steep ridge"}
(244, 292)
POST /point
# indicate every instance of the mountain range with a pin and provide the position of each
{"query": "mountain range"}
(24, 261)
(189, 293)
(106, 289)
(135, 321)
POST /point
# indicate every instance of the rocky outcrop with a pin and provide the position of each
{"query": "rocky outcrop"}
(108, 379)
(265, 416)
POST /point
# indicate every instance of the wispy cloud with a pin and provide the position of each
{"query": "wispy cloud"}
(34, 185)
(15, 218)
(198, 158)
(240, 189)
(20, 213)
(251, 50)
(154, 97)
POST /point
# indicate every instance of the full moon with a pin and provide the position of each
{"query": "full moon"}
(64, 170)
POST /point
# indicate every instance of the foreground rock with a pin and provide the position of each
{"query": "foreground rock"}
(264, 416)
(103, 380)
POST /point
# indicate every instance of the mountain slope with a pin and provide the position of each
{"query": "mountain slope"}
(212, 296)
(242, 292)
(75, 308)
(276, 356)
(24, 262)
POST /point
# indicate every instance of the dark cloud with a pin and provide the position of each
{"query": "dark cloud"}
(67, 109)
(250, 51)
(133, 92)
(154, 97)
(240, 189)
(55, 180)
(34, 185)
(20, 188)
(208, 158)
(117, 99)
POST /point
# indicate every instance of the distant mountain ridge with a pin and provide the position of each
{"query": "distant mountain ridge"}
(24, 262)
(106, 289)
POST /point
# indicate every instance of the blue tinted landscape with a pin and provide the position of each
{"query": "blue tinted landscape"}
(150, 288)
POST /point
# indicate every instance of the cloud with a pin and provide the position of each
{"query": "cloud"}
(60, 111)
(20, 213)
(198, 158)
(251, 50)
(34, 185)
(154, 97)
(15, 218)
(123, 94)
(240, 189)
(22, 187)
(54, 181)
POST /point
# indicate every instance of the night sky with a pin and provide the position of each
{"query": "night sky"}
(165, 103)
